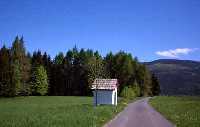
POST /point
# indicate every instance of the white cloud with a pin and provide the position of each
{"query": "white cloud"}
(176, 52)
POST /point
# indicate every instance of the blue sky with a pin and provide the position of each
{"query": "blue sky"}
(149, 29)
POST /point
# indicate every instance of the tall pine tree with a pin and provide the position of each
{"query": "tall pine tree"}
(6, 87)
(20, 67)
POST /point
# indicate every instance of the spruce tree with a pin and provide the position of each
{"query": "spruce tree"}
(39, 81)
(20, 67)
(109, 59)
(155, 85)
(6, 88)
(37, 59)
(16, 78)
(25, 70)
(15, 66)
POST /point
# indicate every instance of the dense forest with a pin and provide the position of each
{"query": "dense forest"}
(23, 73)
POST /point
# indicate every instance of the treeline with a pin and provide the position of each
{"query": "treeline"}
(22, 73)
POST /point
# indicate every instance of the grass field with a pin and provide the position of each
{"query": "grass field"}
(182, 111)
(54, 111)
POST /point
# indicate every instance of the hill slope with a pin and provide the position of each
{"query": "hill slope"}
(177, 77)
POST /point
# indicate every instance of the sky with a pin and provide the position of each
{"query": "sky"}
(148, 29)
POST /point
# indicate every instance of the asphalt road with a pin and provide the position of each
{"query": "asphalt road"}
(139, 114)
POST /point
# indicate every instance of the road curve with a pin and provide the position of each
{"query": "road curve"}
(139, 114)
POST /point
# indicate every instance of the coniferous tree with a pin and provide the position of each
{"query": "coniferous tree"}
(37, 59)
(16, 78)
(25, 70)
(39, 81)
(20, 65)
(46, 60)
(57, 75)
(47, 63)
(109, 59)
(155, 85)
(84, 87)
(76, 72)
(6, 88)
(68, 73)
(16, 53)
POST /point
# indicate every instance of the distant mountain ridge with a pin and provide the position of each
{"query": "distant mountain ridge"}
(177, 77)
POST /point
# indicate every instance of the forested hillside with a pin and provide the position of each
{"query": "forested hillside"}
(70, 73)
(177, 77)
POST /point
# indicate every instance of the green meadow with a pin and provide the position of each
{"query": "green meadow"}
(182, 111)
(54, 111)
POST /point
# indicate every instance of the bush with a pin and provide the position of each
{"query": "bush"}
(130, 92)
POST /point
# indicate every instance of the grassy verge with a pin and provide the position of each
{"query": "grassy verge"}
(113, 111)
(182, 111)
(55, 111)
